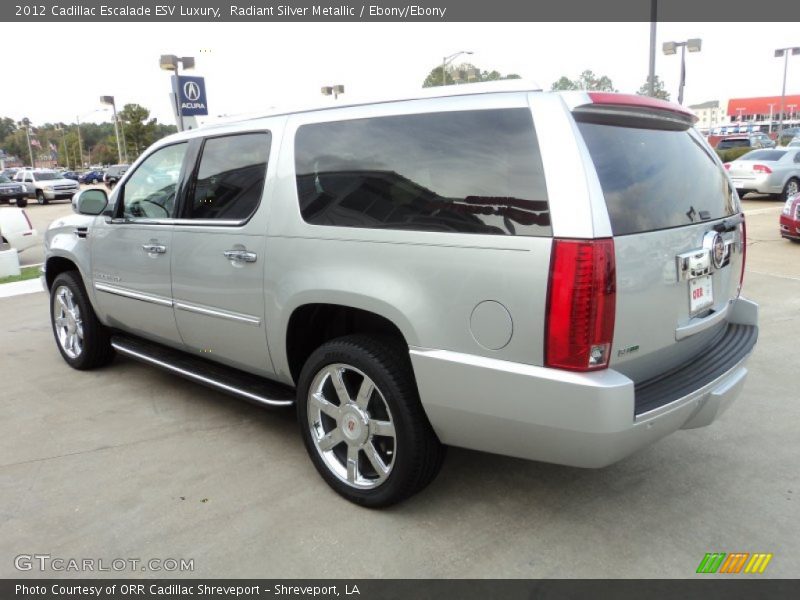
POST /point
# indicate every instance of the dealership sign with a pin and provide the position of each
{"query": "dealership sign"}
(192, 96)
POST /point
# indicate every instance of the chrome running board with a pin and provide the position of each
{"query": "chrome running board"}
(225, 379)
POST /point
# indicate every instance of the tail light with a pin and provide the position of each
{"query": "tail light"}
(727, 166)
(581, 304)
(744, 255)
(762, 169)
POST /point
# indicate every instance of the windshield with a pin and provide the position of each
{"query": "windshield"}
(4, 179)
(734, 143)
(43, 176)
(763, 155)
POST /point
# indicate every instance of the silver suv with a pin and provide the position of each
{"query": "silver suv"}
(553, 276)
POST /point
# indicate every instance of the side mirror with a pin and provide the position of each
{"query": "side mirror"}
(91, 201)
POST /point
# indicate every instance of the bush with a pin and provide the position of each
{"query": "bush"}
(730, 154)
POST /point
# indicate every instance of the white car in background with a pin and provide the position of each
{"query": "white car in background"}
(16, 229)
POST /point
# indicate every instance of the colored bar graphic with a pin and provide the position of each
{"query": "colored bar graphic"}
(734, 562)
(758, 563)
(711, 562)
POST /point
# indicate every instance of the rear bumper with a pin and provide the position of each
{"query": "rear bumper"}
(577, 419)
(762, 184)
(790, 228)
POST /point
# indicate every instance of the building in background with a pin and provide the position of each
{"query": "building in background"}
(742, 115)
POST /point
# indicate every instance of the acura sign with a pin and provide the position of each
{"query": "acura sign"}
(192, 96)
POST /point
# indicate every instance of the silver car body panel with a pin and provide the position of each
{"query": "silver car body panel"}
(428, 284)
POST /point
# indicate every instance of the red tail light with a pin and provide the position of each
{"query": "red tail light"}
(762, 169)
(744, 255)
(581, 303)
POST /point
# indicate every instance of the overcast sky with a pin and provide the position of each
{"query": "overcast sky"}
(251, 66)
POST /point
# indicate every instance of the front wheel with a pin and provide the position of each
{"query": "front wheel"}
(82, 340)
(40, 197)
(791, 188)
(362, 422)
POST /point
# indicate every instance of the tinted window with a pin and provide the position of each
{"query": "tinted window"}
(150, 191)
(474, 171)
(656, 179)
(763, 155)
(740, 143)
(230, 179)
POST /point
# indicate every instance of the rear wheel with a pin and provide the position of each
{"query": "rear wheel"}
(83, 341)
(791, 188)
(362, 422)
(22, 202)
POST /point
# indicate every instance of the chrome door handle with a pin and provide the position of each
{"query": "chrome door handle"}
(154, 248)
(240, 255)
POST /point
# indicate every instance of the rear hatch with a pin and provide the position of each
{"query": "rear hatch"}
(671, 208)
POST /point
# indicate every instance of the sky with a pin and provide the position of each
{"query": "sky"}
(250, 67)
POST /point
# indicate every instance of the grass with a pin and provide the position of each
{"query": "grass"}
(26, 273)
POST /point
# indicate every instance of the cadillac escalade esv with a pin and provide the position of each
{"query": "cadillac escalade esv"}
(553, 276)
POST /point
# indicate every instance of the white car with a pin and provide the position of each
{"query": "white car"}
(16, 229)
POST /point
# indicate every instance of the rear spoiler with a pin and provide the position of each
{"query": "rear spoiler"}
(633, 111)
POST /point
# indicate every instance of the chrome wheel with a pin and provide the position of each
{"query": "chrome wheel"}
(351, 426)
(792, 188)
(68, 322)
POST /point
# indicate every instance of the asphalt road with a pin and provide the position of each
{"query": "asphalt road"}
(128, 462)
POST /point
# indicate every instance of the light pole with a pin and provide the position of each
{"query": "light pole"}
(448, 59)
(771, 106)
(170, 62)
(669, 48)
(26, 125)
(334, 90)
(110, 101)
(80, 142)
(651, 73)
(64, 143)
(784, 52)
(791, 108)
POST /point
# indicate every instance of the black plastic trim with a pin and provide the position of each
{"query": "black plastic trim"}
(728, 348)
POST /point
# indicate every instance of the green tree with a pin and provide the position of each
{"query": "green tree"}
(658, 89)
(585, 81)
(140, 130)
(463, 73)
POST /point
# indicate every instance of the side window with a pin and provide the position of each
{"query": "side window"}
(230, 177)
(150, 191)
(475, 171)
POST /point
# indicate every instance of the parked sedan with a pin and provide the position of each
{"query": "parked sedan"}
(775, 171)
(11, 190)
(751, 140)
(74, 175)
(91, 177)
(16, 229)
(790, 219)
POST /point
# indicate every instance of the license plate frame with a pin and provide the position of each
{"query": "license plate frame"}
(701, 294)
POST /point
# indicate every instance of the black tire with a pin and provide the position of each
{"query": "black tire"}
(416, 452)
(791, 188)
(96, 350)
(22, 202)
(40, 197)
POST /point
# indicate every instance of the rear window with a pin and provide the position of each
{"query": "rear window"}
(476, 171)
(656, 179)
(736, 143)
(763, 155)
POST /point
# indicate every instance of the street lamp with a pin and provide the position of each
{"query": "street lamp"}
(120, 152)
(771, 107)
(170, 62)
(64, 143)
(784, 52)
(80, 142)
(26, 125)
(334, 90)
(448, 59)
(669, 48)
